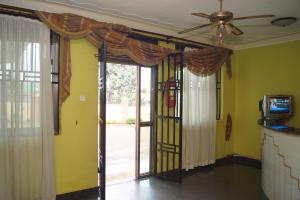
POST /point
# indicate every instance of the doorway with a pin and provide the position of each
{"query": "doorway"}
(129, 132)
(120, 122)
(152, 151)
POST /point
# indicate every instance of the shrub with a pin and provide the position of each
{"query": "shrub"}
(130, 120)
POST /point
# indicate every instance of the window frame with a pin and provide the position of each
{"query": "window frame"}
(55, 80)
(219, 94)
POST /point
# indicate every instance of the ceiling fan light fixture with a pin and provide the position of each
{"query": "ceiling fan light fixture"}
(284, 21)
(221, 31)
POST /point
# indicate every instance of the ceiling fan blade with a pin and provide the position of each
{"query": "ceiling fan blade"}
(253, 17)
(213, 29)
(201, 15)
(193, 28)
(228, 29)
(235, 30)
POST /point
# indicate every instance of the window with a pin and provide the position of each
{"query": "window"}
(218, 86)
(54, 55)
(20, 79)
(28, 76)
(218, 91)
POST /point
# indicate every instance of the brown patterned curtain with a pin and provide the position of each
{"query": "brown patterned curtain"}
(71, 26)
(208, 61)
(65, 69)
(201, 62)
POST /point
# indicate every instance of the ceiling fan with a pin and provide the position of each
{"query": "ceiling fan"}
(220, 22)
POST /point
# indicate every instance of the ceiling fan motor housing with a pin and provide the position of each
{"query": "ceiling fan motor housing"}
(225, 16)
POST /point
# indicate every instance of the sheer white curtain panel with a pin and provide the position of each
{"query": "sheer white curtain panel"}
(199, 120)
(26, 115)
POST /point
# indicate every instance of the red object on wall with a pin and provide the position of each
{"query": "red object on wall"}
(170, 88)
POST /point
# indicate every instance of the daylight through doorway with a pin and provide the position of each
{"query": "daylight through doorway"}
(120, 122)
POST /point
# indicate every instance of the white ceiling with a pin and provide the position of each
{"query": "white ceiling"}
(170, 16)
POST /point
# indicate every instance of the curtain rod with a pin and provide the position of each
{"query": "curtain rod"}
(11, 10)
(172, 39)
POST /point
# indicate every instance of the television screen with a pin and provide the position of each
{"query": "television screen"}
(279, 105)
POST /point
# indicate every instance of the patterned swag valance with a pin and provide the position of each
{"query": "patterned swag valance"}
(69, 26)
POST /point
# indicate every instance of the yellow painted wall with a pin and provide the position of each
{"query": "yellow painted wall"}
(76, 146)
(223, 147)
(266, 70)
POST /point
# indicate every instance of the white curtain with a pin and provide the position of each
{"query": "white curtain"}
(26, 115)
(199, 120)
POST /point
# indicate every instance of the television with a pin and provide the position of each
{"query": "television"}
(277, 106)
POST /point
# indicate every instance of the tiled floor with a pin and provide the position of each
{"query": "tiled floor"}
(226, 182)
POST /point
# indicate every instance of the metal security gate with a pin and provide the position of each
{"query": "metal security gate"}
(102, 114)
(169, 118)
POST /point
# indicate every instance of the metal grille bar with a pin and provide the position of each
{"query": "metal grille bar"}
(169, 118)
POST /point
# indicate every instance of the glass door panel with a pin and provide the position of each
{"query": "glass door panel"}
(145, 94)
(145, 122)
(145, 146)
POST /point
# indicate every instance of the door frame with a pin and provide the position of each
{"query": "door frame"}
(140, 124)
(102, 58)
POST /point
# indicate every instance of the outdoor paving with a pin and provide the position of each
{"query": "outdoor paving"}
(120, 153)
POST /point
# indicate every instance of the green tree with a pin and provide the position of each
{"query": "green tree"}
(121, 82)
